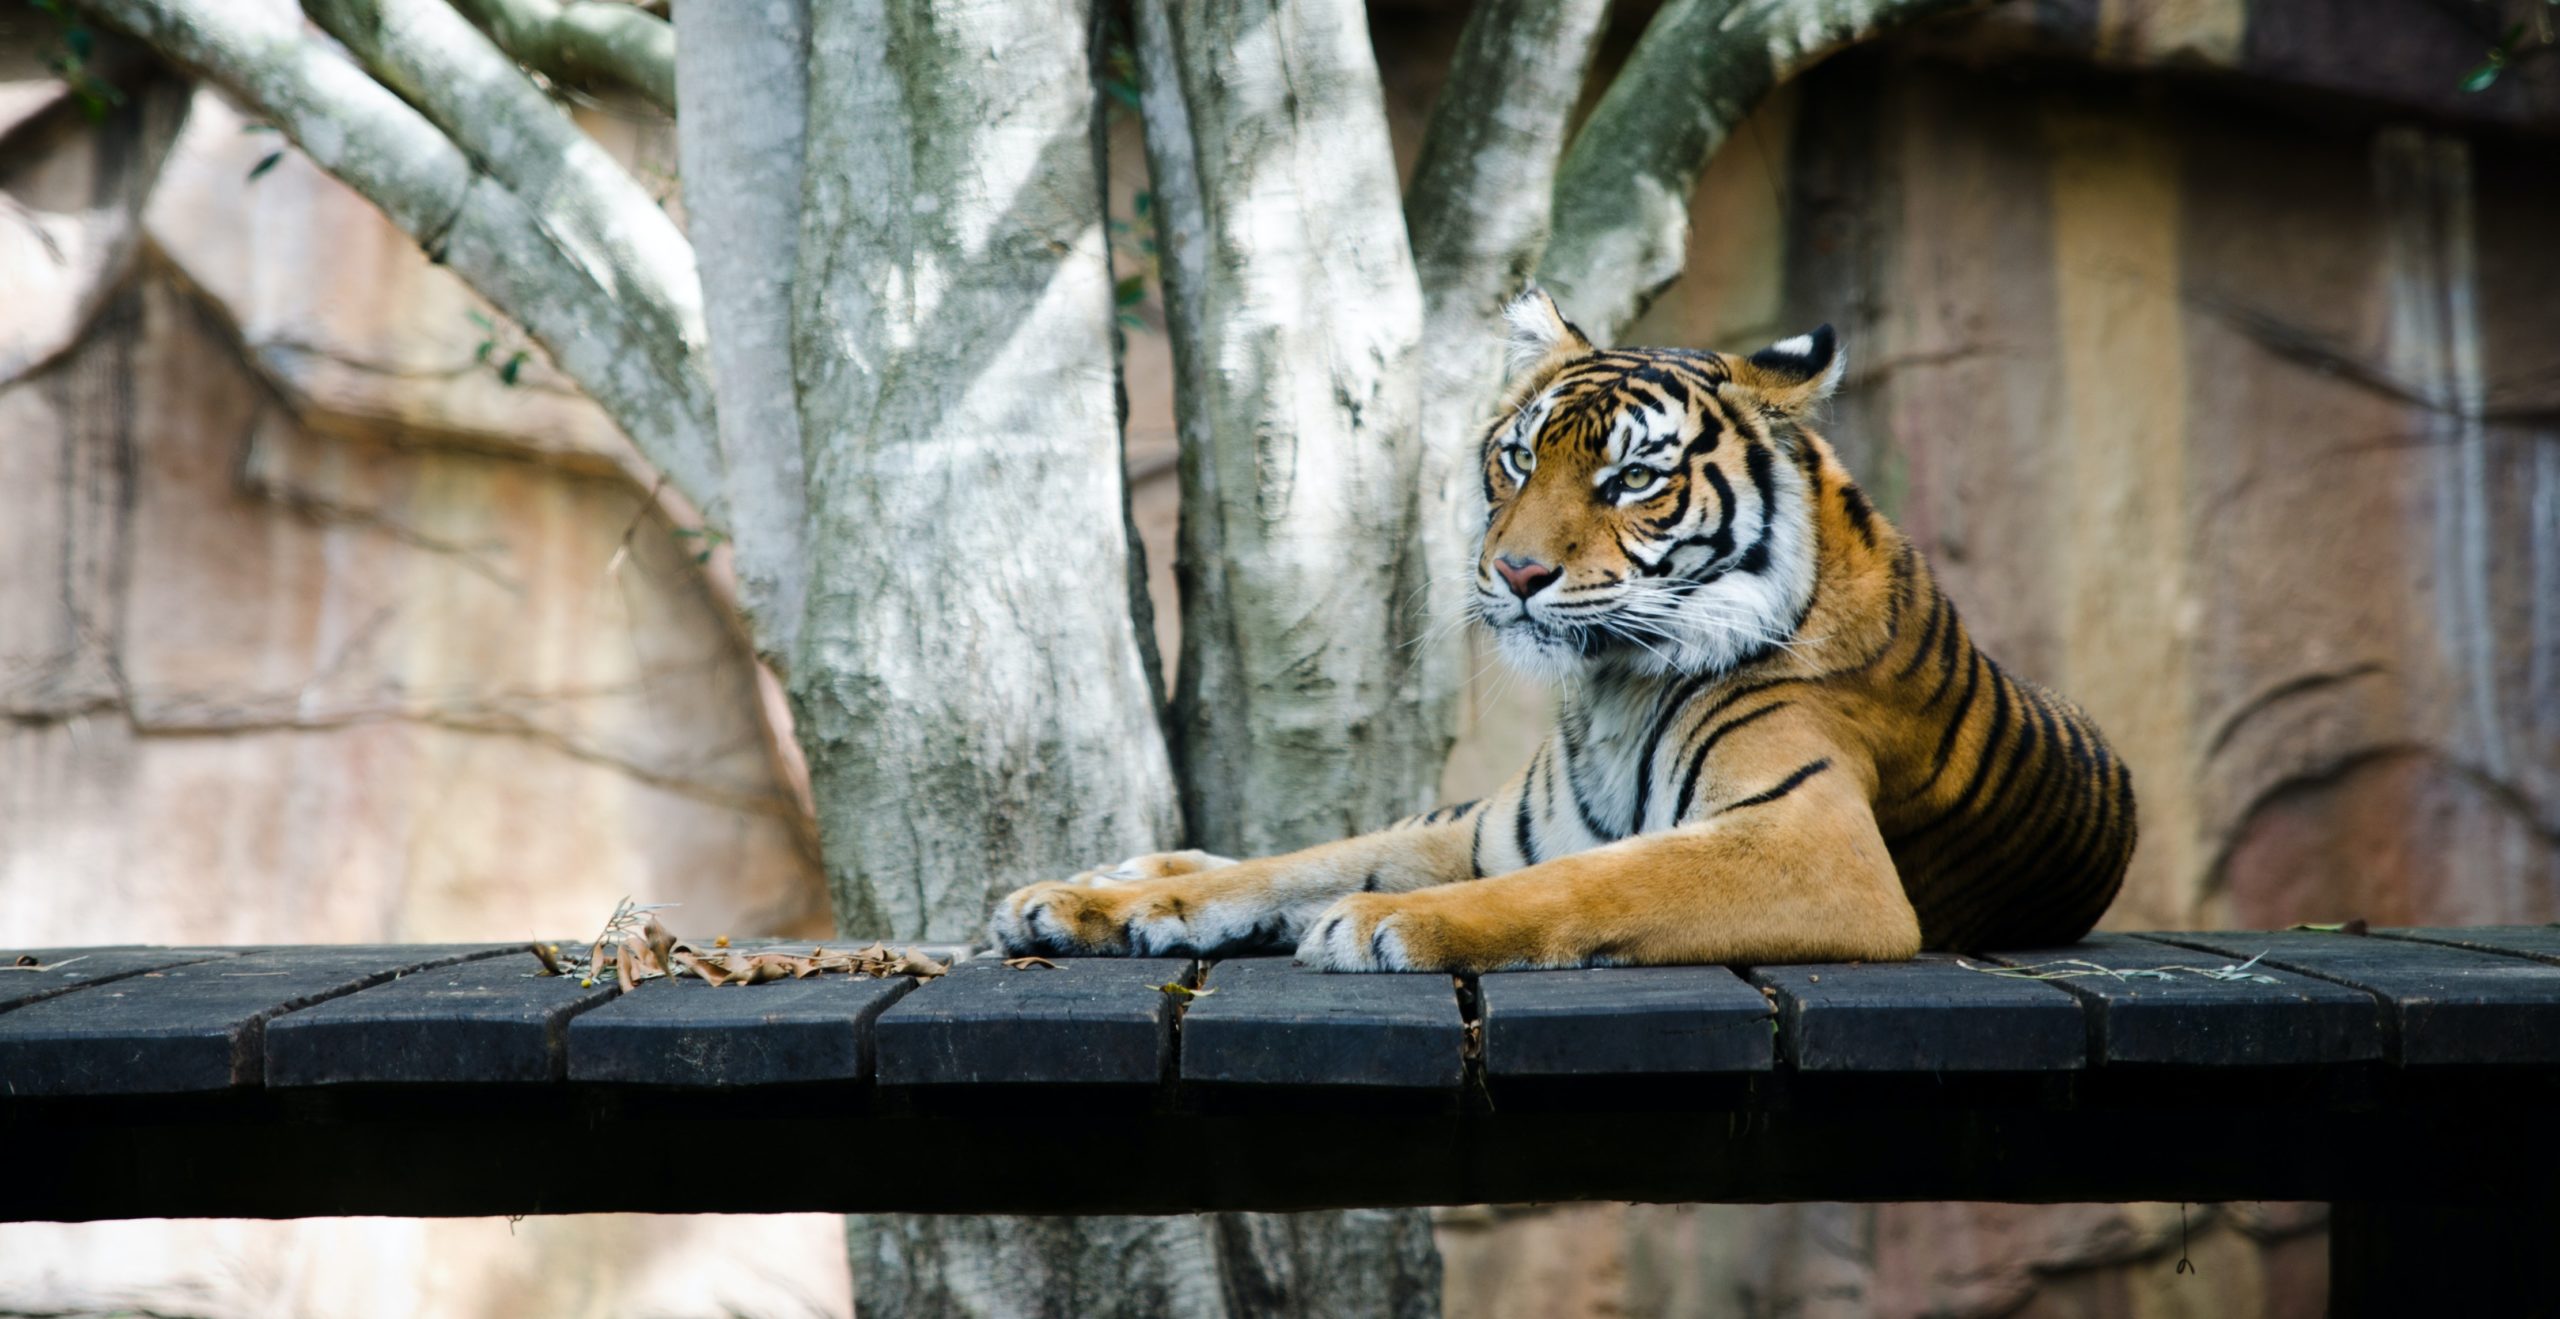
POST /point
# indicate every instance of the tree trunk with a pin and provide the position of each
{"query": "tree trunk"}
(1294, 312)
(1296, 316)
(969, 686)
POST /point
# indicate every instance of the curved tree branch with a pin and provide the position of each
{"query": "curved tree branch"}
(585, 42)
(514, 252)
(1622, 197)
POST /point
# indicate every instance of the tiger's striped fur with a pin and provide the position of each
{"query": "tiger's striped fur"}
(1775, 739)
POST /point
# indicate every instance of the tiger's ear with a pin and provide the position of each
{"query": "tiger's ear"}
(1792, 375)
(1541, 338)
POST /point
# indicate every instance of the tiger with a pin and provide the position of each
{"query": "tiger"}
(1774, 742)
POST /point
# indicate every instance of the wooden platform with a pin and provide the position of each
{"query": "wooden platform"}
(2409, 1066)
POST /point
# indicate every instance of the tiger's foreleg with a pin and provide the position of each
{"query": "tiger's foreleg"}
(1194, 903)
(1802, 876)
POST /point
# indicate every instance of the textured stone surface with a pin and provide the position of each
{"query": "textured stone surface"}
(314, 629)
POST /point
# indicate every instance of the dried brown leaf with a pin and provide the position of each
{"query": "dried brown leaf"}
(712, 972)
(1029, 963)
(595, 962)
(920, 966)
(549, 957)
(25, 959)
(661, 942)
(766, 966)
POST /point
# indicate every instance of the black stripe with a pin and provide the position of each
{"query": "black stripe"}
(1672, 705)
(1755, 459)
(1528, 853)
(1897, 604)
(1475, 845)
(1949, 646)
(1698, 762)
(1928, 635)
(1992, 827)
(1719, 542)
(1862, 515)
(1955, 725)
(1962, 807)
(1786, 785)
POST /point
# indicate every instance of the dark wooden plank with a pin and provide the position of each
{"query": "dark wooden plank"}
(2194, 1021)
(496, 1019)
(684, 1032)
(1928, 1015)
(1093, 1020)
(85, 967)
(1657, 1020)
(1271, 1022)
(2539, 942)
(2440, 1005)
(194, 1027)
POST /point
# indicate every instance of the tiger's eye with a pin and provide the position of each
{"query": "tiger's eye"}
(1522, 457)
(1636, 478)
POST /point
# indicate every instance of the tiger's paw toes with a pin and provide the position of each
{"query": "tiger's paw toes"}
(1364, 932)
(1057, 919)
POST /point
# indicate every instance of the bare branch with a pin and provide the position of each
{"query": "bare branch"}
(503, 245)
(1622, 197)
(745, 86)
(586, 42)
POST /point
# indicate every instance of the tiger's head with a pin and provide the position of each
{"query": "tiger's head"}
(1647, 507)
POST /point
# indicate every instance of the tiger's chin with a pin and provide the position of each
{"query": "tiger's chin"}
(1544, 655)
(1539, 653)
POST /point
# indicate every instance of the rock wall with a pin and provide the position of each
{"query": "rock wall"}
(315, 628)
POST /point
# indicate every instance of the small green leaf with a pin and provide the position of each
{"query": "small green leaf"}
(81, 41)
(481, 353)
(515, 364)
(265, 163)
(481, 319)
(1127, 292)
(1145, 201)
(1129, 320)
(1123, 92)
(257, 127)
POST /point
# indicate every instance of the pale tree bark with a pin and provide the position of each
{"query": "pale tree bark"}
(968, 686)
(1478, 210)
(741, 138)
(1621, 227)
(590, 42)
(1297, 711)
(1291, 302)
(608, 334)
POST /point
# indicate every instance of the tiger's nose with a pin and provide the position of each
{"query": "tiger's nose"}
(1527, 576)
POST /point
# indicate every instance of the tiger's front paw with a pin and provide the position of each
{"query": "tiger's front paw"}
(1061, 918)
(1372, 932)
